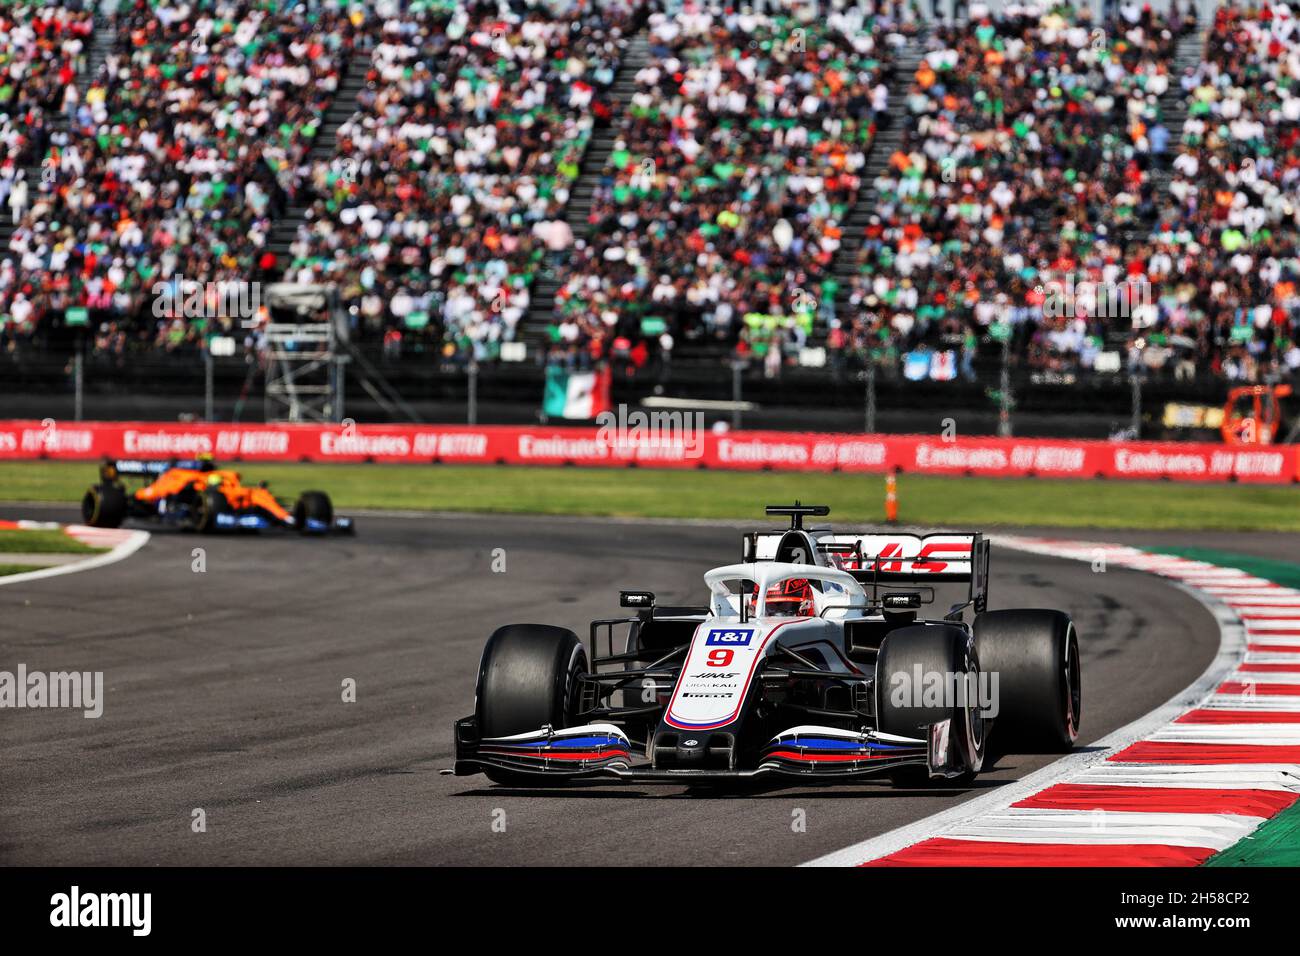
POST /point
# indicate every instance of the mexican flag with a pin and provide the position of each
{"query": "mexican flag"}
(582, 395)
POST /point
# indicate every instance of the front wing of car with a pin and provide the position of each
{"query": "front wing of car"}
(603, 751)
(257, 519)
(338, 525)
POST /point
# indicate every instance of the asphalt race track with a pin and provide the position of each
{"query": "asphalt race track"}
(223, 692)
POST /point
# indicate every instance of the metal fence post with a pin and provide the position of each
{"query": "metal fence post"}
(209, 414)
(77, 384)
(1004, 411)
(472, 410)
(1135, 390)
(736, 368)
(871, 396)
(340, 386)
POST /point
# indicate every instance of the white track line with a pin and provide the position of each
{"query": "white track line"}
(1265, 640)
(1262, 734)
(1232, 651)
(134, 541)
(1275, 703)
(1198, 776)
(1031, 825)
(1265, 677)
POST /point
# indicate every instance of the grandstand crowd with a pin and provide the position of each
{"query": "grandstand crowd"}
(437, 209)
(740, 154)
(1035, 155)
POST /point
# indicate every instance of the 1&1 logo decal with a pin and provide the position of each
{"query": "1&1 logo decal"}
(729, 637)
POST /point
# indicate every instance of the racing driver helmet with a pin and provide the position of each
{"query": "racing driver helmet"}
(790, 598)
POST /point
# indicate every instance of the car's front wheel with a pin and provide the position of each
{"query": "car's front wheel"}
(926, 674)
(313, 512)
(207, 505)
(527, 680)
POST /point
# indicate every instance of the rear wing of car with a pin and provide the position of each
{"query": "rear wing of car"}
(146, 468)
(899, 560)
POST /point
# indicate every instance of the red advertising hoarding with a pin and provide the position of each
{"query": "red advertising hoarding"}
(590, 446)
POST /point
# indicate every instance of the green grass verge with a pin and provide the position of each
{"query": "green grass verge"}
(42, 542)
(643, 492)
(1277, 841)
(1279, 572)
(17, 568)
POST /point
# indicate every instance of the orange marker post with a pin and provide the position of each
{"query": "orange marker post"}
(891, 499)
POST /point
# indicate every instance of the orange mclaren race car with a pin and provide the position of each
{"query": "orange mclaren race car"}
(199, 496)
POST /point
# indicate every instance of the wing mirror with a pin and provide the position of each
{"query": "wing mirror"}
(637, 599)
(902, 601)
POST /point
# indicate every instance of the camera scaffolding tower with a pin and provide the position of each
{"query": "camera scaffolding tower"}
(305, 359)
(304, 364)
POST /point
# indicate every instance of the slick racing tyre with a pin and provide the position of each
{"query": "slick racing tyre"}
(1034, 655)
(313, 506)
(907, 710)
(208, 504)
(527, 679)
(104, 506)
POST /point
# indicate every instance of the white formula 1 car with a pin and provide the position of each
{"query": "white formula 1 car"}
(808, 662)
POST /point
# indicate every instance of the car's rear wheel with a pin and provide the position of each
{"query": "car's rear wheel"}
(1034, 655)
(104, 505)
(313, 506)
(527, 680)
(931, 653)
